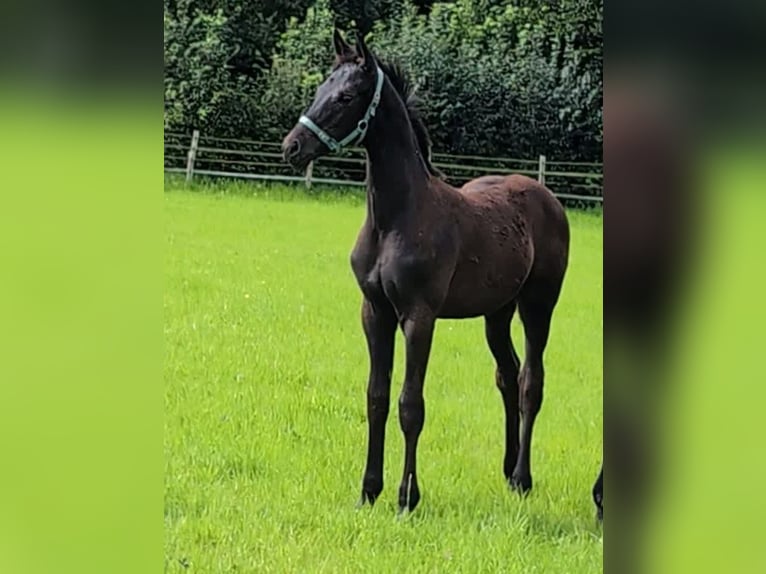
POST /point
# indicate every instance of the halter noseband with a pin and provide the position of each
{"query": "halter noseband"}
(361, 127)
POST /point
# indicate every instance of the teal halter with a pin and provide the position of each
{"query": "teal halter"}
(361, 128)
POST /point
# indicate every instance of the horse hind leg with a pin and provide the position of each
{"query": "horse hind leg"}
(535, 312)
(498, 332)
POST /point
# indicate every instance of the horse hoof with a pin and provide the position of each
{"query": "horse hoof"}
(406, 508)
(521, 483)
(409, 495)
(598, 500)
(365, 498)
(408, 504)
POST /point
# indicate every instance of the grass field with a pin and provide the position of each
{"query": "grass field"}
(265, 431)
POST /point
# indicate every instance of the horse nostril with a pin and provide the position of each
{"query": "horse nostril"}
(292, 148)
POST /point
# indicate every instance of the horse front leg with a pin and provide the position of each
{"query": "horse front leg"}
(379, 322)
(418, 330)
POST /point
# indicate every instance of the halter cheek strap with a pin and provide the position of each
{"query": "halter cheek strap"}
(361, 127)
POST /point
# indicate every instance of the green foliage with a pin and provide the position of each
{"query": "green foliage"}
(304, 53)
(362, 14)
(200, 92)
(502, 80)
(495, 79)
(216, 52)
(251, 29)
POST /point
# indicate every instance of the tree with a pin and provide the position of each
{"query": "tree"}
(494, 79)
(251, 28)
(362, 14)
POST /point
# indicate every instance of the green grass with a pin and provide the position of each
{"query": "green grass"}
(265, 432)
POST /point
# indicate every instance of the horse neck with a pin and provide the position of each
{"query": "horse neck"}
(396, 172)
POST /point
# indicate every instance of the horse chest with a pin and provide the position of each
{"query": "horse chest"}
(371, 284)
(403, 277)
(374, 275)
(366, 267)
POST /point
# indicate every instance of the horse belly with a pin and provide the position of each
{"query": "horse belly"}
(479, 288)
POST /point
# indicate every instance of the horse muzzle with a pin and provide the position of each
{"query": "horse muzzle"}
(300, 147)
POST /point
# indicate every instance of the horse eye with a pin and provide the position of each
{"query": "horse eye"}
(345, 97)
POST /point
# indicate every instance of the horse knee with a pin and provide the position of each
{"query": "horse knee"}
(506, 379)
(377, 404)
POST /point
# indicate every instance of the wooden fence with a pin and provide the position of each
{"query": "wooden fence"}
(197, 154)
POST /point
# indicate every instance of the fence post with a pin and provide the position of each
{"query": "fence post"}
(541, 170)
(309, 171)
(191, 156)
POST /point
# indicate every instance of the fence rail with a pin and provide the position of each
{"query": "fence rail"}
(210, 156)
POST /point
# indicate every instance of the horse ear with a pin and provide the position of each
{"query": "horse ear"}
(364, 52)
(342, 49)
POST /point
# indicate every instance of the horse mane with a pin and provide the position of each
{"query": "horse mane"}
(401, 82)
